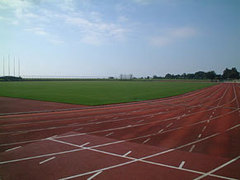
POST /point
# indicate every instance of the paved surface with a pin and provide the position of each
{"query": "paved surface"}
(192, 136)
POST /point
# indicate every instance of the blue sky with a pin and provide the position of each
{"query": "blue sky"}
(111, 37)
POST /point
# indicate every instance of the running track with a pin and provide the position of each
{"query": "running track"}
(192, 136)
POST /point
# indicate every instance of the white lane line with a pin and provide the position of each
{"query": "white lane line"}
(182, 164)
(127, 153)
(106, 144)
(233, 127)
(104, 122)
(216, 169)
(146, 140)
(160, 131)
(132, 160)
(22, 142)
(78, 129)
(169, 125)
(200, 135)
(95, 171)
(46, 160)
(187, 170)
(204, 128)
(236, 96)
(40, 156)
(93, 176)
(80, 134)
(84, 144)
(109, 134)
(76, 150)
(140, 121)
(13, 148)
(54, 136)
(191, 149)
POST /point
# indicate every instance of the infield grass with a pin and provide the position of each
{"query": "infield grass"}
(97, 92)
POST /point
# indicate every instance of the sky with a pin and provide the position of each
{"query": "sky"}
(112, 37)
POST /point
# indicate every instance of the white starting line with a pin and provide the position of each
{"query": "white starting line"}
(191, 149)
(146, 140)
(140, 121)
(93, 176)
(182, 164)
(169, 125)
(204, 128)
(160, 131)
(216, 169)
(13, 148)
(127, 153)
(84, 144)
(46, 160)
(109, 134)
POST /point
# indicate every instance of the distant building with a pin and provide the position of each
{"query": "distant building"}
(126, 76)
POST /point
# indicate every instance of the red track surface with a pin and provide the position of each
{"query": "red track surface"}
(192, 136)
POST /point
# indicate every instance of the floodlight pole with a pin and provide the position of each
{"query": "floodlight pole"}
(3, 67)
(14, 66)
(8, 65)
(18, 67)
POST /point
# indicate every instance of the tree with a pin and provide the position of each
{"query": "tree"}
(211, 75)
(168, 76)
(184, 75)
(219, 77)
(200, 75)
(230, 73)
(190, 76)
(155, 77)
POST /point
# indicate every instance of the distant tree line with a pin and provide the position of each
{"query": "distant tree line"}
(10, 78)
(227, 74)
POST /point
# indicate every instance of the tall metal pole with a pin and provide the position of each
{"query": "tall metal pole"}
(18, 67)
(3, 66)
(13, 65)
(8, 65)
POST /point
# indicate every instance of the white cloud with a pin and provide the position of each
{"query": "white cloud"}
(37, 30)
(160, 41)
(142, 2)
(54, 39)
(67, 5)
(95, 31)
(183, 32)
(3, 18)
(122, 19)
(169, 36)
(93, 39)
(90, 27)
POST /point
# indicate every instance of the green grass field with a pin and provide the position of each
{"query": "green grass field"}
(97, 92)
